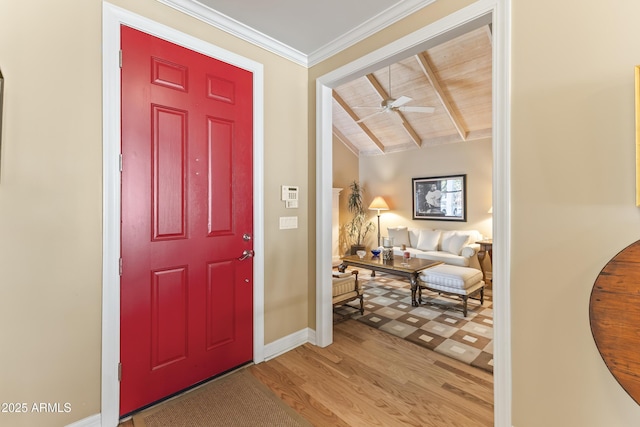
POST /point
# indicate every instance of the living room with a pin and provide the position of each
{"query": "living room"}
(390, 176)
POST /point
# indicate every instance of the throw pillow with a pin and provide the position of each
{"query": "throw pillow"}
(400, 235)
(428, 240)
(454, 243)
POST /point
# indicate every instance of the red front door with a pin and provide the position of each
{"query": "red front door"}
(186, 297)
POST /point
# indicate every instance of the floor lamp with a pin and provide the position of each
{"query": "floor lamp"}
(380, 205)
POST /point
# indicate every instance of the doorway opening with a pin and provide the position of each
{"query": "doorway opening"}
(496, 14)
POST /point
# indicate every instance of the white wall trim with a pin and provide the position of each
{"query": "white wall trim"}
(288, 343)
(92, 421)
(372, 26)
(112, 18)
(502, 375)
(496, 12)
(235, 28)
(225, 23)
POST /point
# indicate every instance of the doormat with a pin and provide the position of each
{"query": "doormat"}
(238, 399)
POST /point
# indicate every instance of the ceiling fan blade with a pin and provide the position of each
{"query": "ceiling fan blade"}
(400, 101)
(410, 109)
(369, 116)
(365, 108)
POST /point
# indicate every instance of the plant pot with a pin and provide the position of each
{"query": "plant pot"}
(355, 248)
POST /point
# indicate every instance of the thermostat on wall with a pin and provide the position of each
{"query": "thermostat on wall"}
(290, 196)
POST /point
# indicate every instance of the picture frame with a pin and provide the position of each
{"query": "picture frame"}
(637, 117)
(1, 104)
(440, 198)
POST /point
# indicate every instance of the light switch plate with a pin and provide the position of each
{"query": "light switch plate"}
(288, 222)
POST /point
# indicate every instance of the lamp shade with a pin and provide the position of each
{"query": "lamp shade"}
(379, 204)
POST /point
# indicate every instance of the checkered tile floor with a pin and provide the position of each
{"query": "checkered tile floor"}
(434, 324)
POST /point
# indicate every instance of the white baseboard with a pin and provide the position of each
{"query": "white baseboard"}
(289, 342)
(92, 421)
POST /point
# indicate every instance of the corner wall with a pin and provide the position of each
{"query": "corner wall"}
(346, 169)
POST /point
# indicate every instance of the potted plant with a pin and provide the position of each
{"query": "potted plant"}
(358, 228)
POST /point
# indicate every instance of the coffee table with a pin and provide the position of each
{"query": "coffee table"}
(411, 269)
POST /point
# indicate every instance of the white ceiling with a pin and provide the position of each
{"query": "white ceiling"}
(306, 31)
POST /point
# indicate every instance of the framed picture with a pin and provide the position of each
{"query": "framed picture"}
(442, 198)
(1, 102)
(637, 96)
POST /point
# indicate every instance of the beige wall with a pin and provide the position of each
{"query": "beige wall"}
(573, 201)
(50, 208)
(345, 170)
(390, 176)
(51, 198)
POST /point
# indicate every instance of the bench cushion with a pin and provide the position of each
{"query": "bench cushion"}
(451, 278)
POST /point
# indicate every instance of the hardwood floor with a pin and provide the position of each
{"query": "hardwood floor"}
(370, 378)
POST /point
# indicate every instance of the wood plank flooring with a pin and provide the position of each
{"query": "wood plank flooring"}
(368, 377)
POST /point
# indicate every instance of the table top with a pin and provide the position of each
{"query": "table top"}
(613, 315)
(413, 265)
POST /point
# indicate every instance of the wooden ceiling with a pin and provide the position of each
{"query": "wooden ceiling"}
(454, 78)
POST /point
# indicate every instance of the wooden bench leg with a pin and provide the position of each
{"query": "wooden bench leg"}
(464, 304)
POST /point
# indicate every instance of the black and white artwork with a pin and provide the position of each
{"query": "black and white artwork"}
(440, 198)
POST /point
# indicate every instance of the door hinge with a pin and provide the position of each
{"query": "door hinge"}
(119, 371)
(120, 161)
(120, 58)
(120, 266)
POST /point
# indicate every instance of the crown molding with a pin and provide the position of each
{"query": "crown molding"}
(382, 20)
(225, 23)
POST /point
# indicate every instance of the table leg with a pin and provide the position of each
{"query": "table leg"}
(414, 287)
(481, 255)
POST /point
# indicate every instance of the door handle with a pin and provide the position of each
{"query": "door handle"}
(247, 253)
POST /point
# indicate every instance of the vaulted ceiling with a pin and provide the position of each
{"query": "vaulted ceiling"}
(453, 78)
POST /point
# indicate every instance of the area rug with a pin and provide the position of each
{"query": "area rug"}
(238, 399)
(434, 325)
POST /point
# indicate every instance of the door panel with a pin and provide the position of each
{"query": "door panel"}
(186, 298)
(169, 139)
(169, 307)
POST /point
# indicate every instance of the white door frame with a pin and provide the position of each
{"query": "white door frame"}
(112, 18)
(498, 13)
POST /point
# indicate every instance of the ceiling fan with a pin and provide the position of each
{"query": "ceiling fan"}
(391, 104)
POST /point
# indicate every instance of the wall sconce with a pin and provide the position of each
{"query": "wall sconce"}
(380, 205)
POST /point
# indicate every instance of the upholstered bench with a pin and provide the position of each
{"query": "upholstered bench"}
(464, 282)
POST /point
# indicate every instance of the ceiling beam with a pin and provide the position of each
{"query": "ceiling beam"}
(355, 118)
(347, 143)
(384, 96)
(427, 69)
(488, 31)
